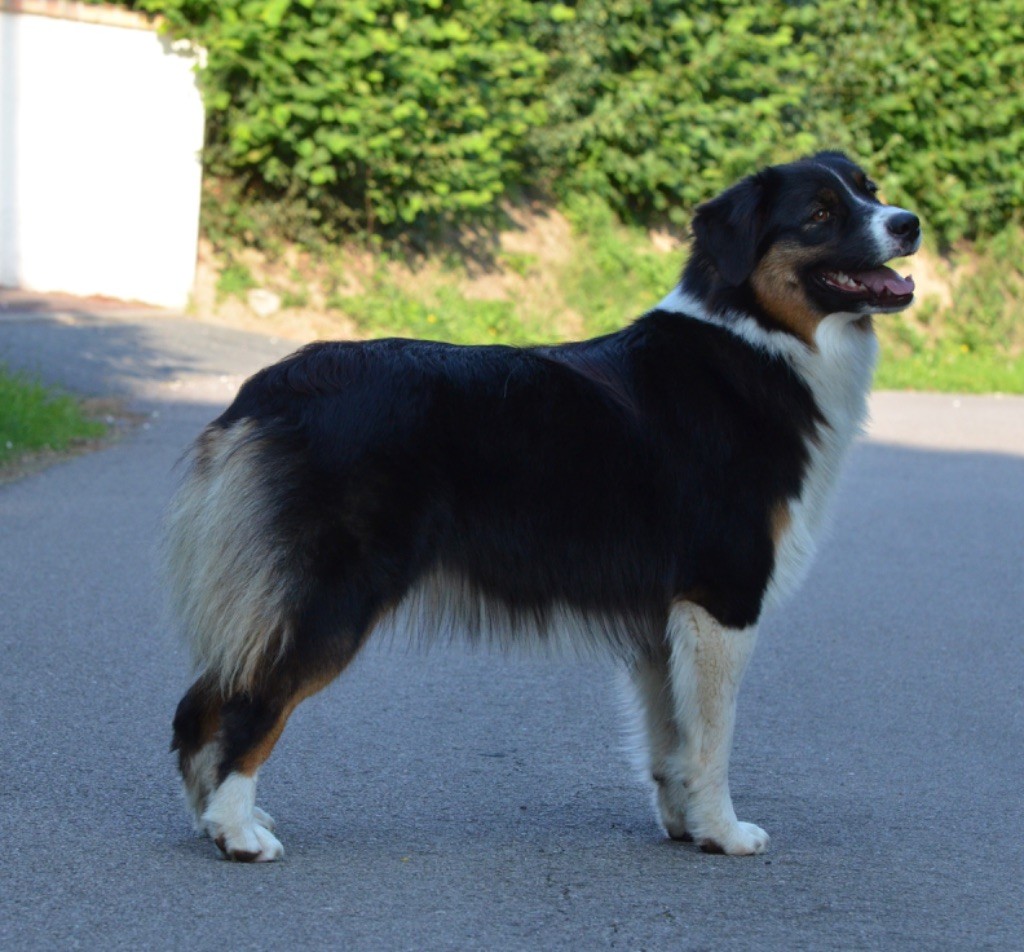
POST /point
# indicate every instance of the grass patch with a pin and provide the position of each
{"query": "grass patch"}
(441, 313)
(951, 371)
(36, 418)
(613, 275)
(236, 280)
(617, 273)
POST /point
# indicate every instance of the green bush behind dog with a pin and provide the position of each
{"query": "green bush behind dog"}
(379, 116)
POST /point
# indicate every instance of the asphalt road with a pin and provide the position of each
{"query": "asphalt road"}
(460, 800)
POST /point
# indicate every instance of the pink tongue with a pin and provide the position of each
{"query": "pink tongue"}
(885, 279)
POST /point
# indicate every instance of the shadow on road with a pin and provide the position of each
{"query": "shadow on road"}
(122, 355)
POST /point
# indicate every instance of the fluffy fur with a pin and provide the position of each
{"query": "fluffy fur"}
(647, 493)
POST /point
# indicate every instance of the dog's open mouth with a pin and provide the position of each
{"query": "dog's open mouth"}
(881, 286)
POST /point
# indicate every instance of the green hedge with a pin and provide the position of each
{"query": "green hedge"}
(366, 113)
(931, 92)
(656, 105)
(369, 115)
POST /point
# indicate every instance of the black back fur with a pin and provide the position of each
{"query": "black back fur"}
(612, 476)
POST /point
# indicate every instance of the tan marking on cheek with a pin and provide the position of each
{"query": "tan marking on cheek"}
(778, 290)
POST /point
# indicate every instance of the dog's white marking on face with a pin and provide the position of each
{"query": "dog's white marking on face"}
(890, 245)
(231, 821)
(878, 216)
(854, 196)
(887, 245)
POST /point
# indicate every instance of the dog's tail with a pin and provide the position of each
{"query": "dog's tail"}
(229, 578)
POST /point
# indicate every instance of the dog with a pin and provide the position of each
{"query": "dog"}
(651, 492)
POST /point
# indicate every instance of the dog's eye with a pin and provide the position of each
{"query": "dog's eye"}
(820, 215)
(871, 187)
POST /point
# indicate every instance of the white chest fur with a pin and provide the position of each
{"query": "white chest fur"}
(839, 374)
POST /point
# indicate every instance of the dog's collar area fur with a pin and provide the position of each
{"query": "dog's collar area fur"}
(837, 366)
(753, 332)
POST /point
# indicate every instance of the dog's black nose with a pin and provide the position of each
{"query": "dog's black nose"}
(904, 225)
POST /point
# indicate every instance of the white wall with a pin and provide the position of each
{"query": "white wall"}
(101, 129)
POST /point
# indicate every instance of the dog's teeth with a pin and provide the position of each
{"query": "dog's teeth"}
(842, 280)
(841, 277)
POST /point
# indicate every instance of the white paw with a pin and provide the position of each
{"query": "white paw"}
(251, 843)
(738, 839)
(239, 828)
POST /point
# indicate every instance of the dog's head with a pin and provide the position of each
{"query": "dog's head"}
(795, 243)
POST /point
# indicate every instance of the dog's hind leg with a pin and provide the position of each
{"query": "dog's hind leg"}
(251, 722)
(196, 727)
(707, 665)
(650, 678)
(198, 739)
(198, 742)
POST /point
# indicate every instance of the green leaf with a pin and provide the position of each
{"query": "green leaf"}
(274, 11)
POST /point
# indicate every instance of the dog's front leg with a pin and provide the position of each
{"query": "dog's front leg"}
(655, 716)
(707, 664)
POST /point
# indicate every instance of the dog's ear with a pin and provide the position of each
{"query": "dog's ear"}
(728, 229)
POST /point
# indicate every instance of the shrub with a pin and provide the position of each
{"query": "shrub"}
(379, 115)
(655, 106)
(371, 114)
(929, 93)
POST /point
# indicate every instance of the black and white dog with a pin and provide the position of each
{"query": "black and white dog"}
(652, 491)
